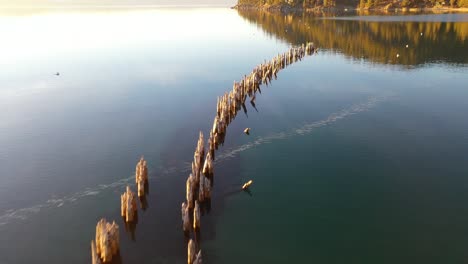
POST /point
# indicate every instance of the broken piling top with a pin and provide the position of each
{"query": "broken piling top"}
(196, 171)
(214, 130)
(141, 170)
(208, 166)
(141, 176)
(107, 241)
(128, 205)
(199, 150)
(201, 142)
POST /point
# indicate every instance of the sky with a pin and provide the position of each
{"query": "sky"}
(116, 2)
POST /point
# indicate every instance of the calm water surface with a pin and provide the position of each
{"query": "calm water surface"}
(357, 155)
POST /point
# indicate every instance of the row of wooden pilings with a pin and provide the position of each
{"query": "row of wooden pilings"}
(200, 180)
(106, 245)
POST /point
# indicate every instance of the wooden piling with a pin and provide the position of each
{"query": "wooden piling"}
(190, 191)
(185, 218)
(128, 205)
(141, 176)
(199, 182)
(191, 252)
(107, 241)
(196, 216)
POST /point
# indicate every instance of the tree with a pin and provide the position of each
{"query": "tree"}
(362, 3)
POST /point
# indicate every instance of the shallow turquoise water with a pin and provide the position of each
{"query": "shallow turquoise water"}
(355, 157)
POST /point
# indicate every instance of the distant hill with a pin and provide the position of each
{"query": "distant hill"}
(361, 4)
(366, 40)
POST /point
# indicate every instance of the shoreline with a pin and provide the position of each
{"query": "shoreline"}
(384, 9)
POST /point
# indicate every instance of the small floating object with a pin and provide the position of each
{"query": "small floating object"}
(406, 45)
(421, 33)
(398, 55)
(247, 131)
(58, 73)
(247, 185)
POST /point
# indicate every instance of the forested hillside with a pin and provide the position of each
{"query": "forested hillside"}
(354, 3)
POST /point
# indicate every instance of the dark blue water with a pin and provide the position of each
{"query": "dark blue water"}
(356, 155)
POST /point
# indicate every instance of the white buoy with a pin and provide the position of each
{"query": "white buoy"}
(398, 55)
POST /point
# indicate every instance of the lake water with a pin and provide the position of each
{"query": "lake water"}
(357, 155)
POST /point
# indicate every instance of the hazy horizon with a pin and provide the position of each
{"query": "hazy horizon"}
(26, 3)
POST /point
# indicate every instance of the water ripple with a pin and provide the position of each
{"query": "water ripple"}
(13, 215)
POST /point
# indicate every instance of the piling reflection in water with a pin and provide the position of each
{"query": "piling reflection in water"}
(130, 227)
(143, 203)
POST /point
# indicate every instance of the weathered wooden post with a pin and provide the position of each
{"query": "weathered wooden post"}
(141, 176)
(107, 241)
(128, 205)
(191, 252)
(196, 216)
(185, 218)
(189, 185)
